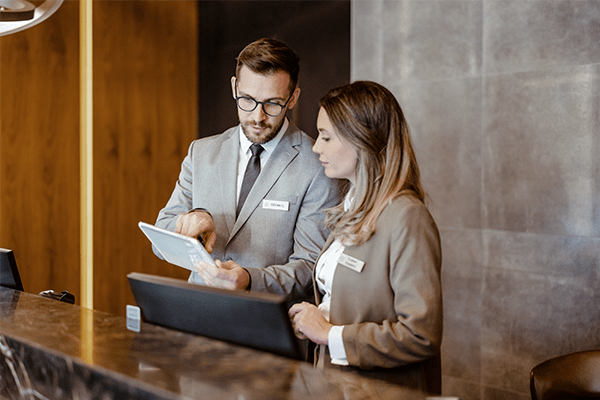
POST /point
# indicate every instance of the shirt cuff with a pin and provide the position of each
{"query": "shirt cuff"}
(200, 209)
(249, 287)
(336, 345)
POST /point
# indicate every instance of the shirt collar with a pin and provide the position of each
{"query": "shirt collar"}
(269, 146)
(349, 199)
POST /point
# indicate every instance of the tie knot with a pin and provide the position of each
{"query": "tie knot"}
(256, 149)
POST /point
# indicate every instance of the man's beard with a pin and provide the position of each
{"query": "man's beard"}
(266, 136)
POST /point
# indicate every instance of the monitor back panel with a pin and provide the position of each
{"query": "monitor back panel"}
(9, 274)
(258, 320)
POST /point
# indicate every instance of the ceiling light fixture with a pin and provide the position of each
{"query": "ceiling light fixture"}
(17, 15)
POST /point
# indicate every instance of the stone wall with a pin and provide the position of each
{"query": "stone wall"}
(503, 101)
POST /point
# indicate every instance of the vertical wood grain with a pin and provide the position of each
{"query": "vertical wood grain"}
(39, 151)
(145, 116)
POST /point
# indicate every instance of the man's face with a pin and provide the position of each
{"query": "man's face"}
(257, 125)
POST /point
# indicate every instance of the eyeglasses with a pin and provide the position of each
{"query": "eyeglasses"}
(248, 104)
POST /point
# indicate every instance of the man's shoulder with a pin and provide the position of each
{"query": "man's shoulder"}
(302, 143)
(214, 140)
(300, 139)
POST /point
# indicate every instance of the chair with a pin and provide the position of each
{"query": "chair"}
(572, 376)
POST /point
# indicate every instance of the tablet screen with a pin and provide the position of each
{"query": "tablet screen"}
(177, 249)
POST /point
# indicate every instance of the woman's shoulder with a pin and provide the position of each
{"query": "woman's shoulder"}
(403, 202)
(405, 207)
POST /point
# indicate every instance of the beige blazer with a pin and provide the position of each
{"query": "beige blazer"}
(392, 308)
(278, 245)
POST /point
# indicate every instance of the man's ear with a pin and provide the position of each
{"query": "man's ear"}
(294, 98)
(233, 82)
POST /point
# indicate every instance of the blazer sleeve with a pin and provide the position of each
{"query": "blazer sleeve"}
(181, 198)
(412, 332)
(294, 279)
(180, 201)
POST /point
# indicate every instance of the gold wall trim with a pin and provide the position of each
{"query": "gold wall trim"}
(86, 155)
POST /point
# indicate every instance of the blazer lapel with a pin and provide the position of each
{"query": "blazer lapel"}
(227, 173)
(282, 156)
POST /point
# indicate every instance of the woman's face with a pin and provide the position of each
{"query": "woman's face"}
(336, 154)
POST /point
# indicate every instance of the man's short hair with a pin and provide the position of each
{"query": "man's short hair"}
(267, 56)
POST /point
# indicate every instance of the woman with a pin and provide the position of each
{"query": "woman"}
(377, 282)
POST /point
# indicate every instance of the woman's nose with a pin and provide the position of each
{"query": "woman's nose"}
(316, 147)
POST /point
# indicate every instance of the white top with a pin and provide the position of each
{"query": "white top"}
(325, 270)
(245, 153)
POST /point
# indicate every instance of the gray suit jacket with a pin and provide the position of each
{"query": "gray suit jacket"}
(277, 247)
(392, 309)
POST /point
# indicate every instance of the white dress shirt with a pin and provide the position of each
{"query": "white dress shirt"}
(245, 153)
(325, 270)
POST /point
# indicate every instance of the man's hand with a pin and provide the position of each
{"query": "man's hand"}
(226, 275)
(308, 322)
(196, 224)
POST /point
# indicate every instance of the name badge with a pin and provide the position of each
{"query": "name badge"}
(351, 262)
(276, 205)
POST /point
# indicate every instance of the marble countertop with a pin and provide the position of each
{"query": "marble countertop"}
(55, 350)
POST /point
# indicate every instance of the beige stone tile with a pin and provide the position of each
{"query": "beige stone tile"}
(462, 273)
(530, 35)
(529, 317)
(464, 389)
(445, 122)
(540, 148)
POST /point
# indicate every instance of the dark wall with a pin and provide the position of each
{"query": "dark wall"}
(319, 31)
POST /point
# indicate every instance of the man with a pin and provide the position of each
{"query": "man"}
(266, 235)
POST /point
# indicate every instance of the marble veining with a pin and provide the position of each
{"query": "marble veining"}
(18, 373)
(54, 350)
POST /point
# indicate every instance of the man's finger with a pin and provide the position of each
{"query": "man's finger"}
(209, 241)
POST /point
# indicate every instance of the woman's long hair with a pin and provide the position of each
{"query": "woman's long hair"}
(368, 116)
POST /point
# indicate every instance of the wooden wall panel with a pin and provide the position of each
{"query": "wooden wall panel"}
(145, 116)
(39, 151)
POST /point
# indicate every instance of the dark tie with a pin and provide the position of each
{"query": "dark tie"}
(252, 171)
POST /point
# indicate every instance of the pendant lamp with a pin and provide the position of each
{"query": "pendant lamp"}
(17, 15)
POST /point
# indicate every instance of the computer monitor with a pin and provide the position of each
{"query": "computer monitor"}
(9, 274)
(258, 320)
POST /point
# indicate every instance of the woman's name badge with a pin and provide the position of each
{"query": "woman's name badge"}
(351, 262)
(276, 205)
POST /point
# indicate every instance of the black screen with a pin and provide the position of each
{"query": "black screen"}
(9, 274)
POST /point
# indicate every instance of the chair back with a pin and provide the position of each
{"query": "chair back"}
(572, 376)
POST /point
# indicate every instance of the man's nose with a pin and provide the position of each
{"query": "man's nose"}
(258, 114)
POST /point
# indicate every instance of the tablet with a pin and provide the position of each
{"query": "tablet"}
(258, 320)
(177, 249)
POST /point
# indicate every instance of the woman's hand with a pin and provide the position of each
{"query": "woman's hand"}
(308, 322)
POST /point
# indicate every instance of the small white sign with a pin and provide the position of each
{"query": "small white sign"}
(442, 398)
(353, 263)
(276, 205)
(134, 318)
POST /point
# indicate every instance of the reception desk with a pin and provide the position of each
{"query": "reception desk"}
(55, 350)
